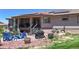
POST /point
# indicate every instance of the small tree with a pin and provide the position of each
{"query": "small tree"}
(1, 29)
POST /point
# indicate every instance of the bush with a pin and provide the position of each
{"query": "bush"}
(1, 29)
(67, 34)
(50, 36)
(55, 38)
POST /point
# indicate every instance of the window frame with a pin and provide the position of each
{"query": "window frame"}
(65, 18)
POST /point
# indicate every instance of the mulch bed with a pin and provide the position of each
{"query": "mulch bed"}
(21, 44)
(12, 44)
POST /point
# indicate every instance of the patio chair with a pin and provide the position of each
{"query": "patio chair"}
(7, 36)
(23, 35)
(39, 34)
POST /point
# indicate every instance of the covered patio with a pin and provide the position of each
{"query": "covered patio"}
(25, 23)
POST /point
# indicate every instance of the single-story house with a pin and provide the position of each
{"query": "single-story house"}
(2, 24)
(46, 20)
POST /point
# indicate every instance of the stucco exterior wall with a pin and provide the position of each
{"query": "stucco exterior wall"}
(57, 21)
(46, 25)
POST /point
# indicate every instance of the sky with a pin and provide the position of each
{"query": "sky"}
(6, 13)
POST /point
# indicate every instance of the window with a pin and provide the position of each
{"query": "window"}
(64, 19)
(24, 22)
(46, 20)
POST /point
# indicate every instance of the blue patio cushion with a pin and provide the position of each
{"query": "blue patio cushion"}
(7, 36)
(23, 35)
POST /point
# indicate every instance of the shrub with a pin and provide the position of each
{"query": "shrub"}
(1, 29)
(67, 34)
(55, 38)
(50, 36)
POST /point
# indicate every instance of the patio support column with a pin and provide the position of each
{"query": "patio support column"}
(42, 22)
(18, 29)
(14, 24)
(30, 25)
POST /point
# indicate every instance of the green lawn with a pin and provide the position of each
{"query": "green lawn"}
(70, 44)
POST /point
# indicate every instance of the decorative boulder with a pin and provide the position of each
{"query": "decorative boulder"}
(27, 40)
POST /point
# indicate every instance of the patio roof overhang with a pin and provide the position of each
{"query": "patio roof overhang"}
(31, 15)
(39, 15)
(51, 14)
(66, 14)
